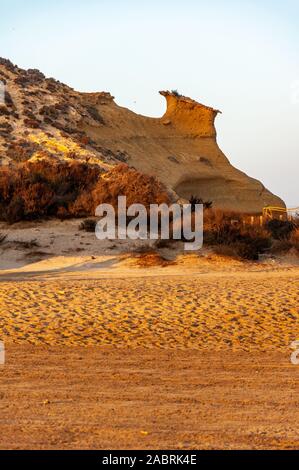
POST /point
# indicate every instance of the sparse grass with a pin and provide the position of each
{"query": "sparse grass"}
(198, 200)
(176, 93)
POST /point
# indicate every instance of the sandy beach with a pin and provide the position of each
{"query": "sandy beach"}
(253, 311)
(108, 398)
(184, 360)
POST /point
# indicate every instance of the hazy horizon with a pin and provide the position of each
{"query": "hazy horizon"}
(241, 59)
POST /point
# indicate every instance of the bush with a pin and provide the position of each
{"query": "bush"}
(37, 199)
(2, 237)
(37, 189)
(15, 210)
(88, 225)
(225, 250)
(228, 235)
(214, 219)
(164, 243)
(280, 229)
(195, 200)
(294, 239)
(280, 246)
(226, 229)
(74, 189)
(176, 93)
(125, 181)
(251, 247)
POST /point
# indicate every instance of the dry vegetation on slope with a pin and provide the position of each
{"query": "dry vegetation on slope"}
(36, 189)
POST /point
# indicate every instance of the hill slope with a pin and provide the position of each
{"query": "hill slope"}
(42, 117)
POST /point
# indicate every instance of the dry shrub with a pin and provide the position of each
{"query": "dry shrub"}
(71, 189)
(280, 246)
(226, 250)
(164, 243)
(21, 150)
(227, 233)
(226, 229)
(136, 186)
(2, 237)
(82, 206)
(229, 251)
(27, 245)
(280, 229)
(294, 239)
(88, 225)
(37, 198)
(251, 247)
(143, 249)
(36, 189)
(214, 218)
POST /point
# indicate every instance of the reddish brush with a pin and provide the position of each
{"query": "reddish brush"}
(45, 188)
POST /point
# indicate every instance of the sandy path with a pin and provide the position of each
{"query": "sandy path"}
(106, 398)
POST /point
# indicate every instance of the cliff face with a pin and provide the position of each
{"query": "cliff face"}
(181, 150)
(42, 117)
(188, 116)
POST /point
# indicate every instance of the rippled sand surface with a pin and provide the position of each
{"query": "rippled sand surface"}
(161, 362)
(245, 311)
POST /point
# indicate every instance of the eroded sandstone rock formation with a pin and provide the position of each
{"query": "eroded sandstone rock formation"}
(42, 117)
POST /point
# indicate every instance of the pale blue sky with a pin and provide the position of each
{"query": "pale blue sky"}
(241, 57)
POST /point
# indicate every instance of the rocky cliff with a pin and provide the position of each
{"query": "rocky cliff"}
(42, 117)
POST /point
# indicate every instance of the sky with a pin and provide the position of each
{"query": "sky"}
(239, 57)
